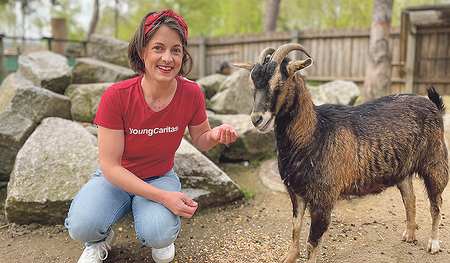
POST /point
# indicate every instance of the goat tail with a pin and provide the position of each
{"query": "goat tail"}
(436, 99)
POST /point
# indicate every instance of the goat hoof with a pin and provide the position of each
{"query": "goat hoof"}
(288, 258)
(409, 236)
(291, 256)
(433, 246)
(311, 253)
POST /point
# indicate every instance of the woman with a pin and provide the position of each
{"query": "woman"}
(141, 122)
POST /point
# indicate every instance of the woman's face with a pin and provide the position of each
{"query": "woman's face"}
(163, 55)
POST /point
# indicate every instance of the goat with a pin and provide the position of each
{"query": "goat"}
(333, 150)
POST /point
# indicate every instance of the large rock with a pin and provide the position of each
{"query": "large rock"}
(210, 84)
(85, 99)
(335, 92)
(109, 49)
(235, 95)
(89, 70)
(201, 179)
(251, 144)
(57, 159)
(46, 70)
(22, 107)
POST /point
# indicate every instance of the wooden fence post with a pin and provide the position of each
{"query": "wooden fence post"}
(410, 59)
(59, 32)
(2, 58)
(202, 56)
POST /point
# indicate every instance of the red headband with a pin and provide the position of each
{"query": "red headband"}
(153, 18)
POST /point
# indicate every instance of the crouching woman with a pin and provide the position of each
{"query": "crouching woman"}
(141, 122)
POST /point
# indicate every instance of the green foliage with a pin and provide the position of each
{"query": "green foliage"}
(249, 193)
(68, 10)
(324, 14)
(238, 17)
(7, 17)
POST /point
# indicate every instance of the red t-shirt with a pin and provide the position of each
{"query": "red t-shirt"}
(151, 138)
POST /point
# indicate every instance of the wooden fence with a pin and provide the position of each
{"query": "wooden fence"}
(425, 51)
(337, 53)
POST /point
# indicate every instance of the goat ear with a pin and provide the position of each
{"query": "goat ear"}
(300, 64)
(247, 66)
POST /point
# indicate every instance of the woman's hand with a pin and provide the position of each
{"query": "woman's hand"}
(180, 204)
(224, 134)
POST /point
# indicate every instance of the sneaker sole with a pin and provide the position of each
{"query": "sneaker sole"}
(166, 260)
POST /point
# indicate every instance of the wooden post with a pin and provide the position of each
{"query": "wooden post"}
(410, 59)
(2, 58)
(59, 33)
(202, 56)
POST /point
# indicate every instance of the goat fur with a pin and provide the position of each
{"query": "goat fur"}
(333, 150)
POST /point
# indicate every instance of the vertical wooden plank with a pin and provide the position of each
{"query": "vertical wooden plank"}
(355, 49)
(395, 53)
(424, 66)
(327, 58)
(333, 58)
(319, 64)
(364, 52)
(348, 56)
(410, 63)
(4, 73)
(432, 57)
(441, 55)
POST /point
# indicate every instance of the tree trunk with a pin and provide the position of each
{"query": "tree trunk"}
(377, 81)
(93, 21)
(273, 7)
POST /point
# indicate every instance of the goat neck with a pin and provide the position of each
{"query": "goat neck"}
(295, 115)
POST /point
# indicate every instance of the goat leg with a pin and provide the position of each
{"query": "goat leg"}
(409, 200)
(298, 207)
(320, 219)
(435, 210)
(435, 179)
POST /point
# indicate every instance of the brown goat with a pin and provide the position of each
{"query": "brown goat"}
(332, 150)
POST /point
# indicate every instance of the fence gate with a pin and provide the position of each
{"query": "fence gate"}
(425, 49)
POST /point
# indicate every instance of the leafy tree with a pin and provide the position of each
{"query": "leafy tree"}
(7, 17)
(68, 10)
(238, 17)
(323, 14)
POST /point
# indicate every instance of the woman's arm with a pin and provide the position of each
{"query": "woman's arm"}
(110, 149)
(205, 138)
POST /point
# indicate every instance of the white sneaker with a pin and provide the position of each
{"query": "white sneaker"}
(98, 252)
(163, 255)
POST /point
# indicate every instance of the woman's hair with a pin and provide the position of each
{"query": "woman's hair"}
(137, 44)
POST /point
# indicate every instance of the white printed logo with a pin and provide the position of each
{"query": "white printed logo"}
(151, 132)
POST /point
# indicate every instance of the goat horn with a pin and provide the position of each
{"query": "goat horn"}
(264, 53)
(285, 49)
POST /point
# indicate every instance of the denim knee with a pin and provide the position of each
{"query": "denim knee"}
(158, 235)
(86, 232)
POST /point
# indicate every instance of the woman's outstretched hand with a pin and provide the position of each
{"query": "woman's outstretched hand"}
(224, 134)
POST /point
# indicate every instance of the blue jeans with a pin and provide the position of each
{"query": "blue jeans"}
(99, 204)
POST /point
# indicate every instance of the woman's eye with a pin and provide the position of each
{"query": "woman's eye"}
(157, 48)
(177, 50)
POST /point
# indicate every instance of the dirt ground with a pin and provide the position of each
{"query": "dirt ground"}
(254, 229)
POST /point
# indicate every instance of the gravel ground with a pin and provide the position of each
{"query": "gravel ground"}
(254, 229)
